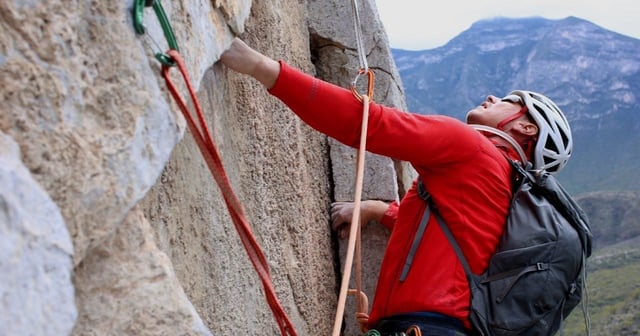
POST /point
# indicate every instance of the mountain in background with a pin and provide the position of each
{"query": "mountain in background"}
(593, 74)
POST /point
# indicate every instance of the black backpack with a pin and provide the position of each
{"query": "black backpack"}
(535, 278)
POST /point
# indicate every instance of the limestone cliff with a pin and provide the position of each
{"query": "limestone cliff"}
(112, 224)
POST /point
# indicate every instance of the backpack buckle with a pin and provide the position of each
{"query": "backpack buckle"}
(542, 266)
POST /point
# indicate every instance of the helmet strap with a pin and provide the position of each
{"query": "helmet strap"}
(512, 117)
(529, 145)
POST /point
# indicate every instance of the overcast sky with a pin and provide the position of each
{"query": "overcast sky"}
(425, 24)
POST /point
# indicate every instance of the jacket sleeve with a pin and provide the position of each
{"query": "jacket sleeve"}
(334, 111)
(390, 216)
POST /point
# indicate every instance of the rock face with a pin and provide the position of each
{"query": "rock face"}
(35, 254)
(111, 222)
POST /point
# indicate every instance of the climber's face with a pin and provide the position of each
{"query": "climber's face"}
(492, 111)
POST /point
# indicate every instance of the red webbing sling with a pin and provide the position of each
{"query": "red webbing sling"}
(202, 136)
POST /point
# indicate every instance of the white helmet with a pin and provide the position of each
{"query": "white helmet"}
(554, 144)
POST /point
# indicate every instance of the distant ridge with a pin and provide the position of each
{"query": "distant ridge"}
(593, 74)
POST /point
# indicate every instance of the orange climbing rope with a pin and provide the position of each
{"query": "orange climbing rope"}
(353, 245)
(202, 136)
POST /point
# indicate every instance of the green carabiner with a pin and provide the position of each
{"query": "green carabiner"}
(138, 25)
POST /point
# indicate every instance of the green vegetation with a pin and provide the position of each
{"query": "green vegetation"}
(613, 286)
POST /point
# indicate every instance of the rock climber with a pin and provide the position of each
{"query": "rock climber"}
(463, 168)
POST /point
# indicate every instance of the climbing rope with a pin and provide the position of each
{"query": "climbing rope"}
(362, 55)
(353, 245)
(357, 27)
(204, 140)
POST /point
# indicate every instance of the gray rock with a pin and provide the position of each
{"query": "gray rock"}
(35, 254)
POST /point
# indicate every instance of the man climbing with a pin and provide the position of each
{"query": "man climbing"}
(463, 169)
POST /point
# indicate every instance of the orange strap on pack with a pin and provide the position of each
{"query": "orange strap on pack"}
(203, 139)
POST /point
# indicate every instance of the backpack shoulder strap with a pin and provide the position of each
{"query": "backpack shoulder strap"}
(416, 242)
(520, 175)
(452, 241)
(424, 194)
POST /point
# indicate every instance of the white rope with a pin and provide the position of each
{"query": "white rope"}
(362, 55)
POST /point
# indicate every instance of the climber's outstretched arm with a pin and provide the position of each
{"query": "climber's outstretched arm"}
(243, 59)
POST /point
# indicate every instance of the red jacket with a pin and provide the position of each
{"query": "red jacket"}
(467, 176)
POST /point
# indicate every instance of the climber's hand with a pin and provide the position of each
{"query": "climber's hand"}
(342, 213)
(243, 59)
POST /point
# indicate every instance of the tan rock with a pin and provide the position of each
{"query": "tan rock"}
(126, 286)
(83, 99)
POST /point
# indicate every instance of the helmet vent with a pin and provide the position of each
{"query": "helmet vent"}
(542, 113)
(551, 145)
(565, 138)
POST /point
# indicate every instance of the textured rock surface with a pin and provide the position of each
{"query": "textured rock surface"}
(35, 254)
(127, 286)
(152, 246)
